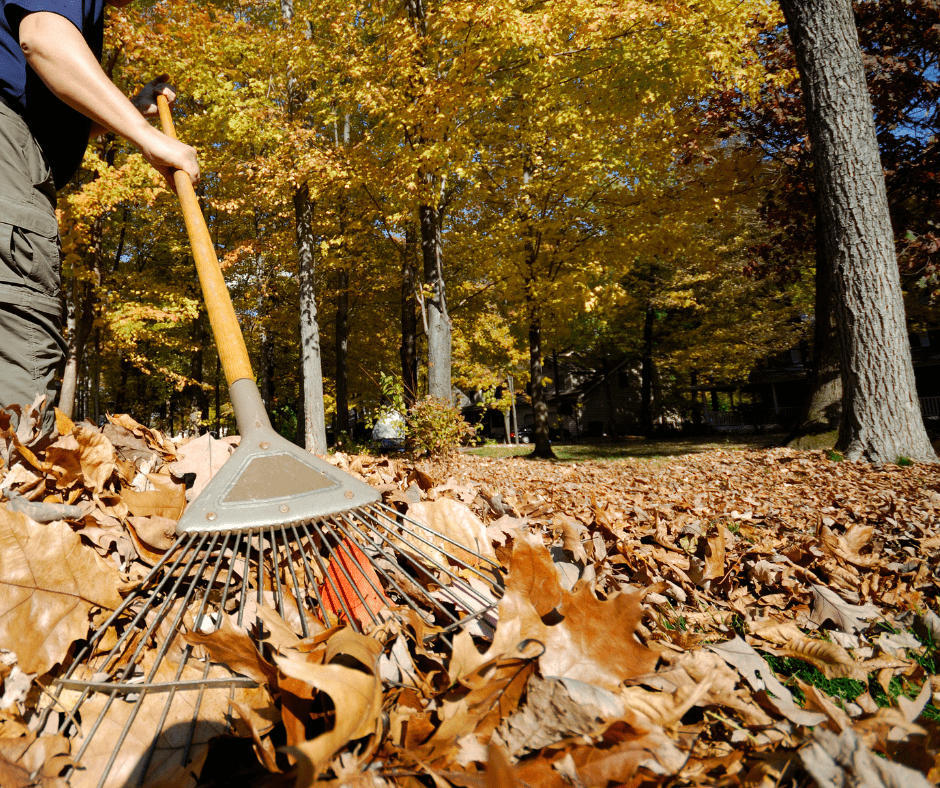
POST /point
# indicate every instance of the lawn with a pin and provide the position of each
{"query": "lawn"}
(637, 448)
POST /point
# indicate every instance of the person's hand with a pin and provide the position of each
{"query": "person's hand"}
(146, 100)
(167, 155)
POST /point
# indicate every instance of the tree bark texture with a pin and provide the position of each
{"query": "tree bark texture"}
(314, 414)
(881, 413)
(543, 444)
(435, 306)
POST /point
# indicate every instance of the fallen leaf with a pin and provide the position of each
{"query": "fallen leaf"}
(230, 645)
(203, 457)
(49, 582)
(829, 606)
(356, 695)
(456, 523)
(843, 760)
(27, 761)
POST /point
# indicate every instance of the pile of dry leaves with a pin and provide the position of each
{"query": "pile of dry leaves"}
(730, 618)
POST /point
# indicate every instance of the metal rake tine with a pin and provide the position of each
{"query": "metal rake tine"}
(230, 574)
(195, 718)
(245, 574)
(87, 690)
(409, 601)
(392, 515)
(166, 710)
(381, 510)
(342, 545)
(329, 579)
(156, 664)
(215, 573)
(446, 570)
(326, 575)
(99, 633)
(275, 570)
(297, 596)
(308, 574)
(180, 613)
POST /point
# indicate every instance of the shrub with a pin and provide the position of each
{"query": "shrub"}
(436, 428)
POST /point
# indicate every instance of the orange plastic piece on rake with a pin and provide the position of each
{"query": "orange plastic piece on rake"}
(359, 596)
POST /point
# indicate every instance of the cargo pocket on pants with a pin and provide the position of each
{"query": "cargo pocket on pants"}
(29, 249)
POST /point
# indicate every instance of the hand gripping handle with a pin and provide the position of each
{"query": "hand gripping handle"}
(228, 335)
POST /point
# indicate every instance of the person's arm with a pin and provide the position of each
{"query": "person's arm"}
(61, 58)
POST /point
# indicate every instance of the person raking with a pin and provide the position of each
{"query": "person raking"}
(54, 97)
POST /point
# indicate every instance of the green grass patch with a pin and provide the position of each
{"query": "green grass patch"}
(790, 668)
(607, 451)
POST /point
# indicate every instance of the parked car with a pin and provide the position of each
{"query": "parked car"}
(526, 434)
(389, 431)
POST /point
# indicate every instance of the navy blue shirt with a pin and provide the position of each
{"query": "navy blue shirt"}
(61, 131)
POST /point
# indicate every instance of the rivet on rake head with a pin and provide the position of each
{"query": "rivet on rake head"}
(211, 515)
(265, 445)
(348, 493)
(285, 507)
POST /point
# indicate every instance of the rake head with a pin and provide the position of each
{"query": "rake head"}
(269, 479)
(134, 699)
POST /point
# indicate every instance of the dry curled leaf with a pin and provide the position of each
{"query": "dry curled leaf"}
(355, 692)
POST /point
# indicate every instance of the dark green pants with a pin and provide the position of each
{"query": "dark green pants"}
(31, 346)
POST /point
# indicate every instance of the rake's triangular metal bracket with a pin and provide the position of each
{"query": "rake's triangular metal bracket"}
(269, 480)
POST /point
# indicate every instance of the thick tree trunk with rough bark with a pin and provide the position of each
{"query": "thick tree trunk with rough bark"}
(435, 306)
(314, 415)
(881, 413)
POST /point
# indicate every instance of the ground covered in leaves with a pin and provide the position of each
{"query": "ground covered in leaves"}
(752, 618)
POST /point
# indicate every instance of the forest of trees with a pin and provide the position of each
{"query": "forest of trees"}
(446, 193)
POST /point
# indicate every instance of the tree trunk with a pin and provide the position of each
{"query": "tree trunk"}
(881, 420)
(96, 376)
(435, 306)
(646, 381)
(73, 355)
(409, 318)
(342, 348)
(314, 415)
(696, 404)
(79, 320)
(543, 444)
(341, 141)
(199, 399)
(609, 393)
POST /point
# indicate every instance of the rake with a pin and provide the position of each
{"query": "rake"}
(278, 539)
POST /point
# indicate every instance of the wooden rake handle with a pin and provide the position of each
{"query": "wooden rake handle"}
(228, 335)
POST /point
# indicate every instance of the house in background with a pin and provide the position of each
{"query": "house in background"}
(580, 402)
(581, 399)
